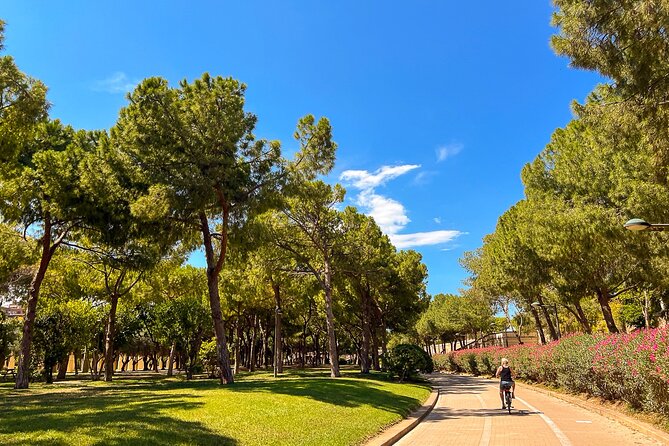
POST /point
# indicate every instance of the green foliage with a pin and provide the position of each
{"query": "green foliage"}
(405, 361)
(207, 355)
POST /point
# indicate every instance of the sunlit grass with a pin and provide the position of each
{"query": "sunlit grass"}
(301, 408)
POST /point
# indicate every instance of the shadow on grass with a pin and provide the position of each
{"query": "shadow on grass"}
(137, 410)
(107, 416)
(361, 391)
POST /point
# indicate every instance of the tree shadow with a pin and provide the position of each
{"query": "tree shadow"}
(447, 413)
(103, 415)
(343, 392)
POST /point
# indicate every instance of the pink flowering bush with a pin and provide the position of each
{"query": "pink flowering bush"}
(631, 367)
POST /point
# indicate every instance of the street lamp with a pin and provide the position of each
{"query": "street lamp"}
(554, 307)
(637, 224)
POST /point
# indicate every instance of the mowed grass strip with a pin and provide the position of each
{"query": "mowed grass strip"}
(304, 408)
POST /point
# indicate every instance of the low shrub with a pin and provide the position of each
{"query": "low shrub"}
(631, 367)
(407, 360)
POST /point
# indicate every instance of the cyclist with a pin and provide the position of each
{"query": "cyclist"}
(505, 374)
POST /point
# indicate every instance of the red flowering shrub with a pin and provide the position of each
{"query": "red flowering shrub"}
(630, 367)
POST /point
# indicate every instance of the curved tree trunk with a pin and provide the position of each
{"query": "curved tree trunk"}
(603, 299)
(582, 318)
(537, 322)
(549, 321)
(214, 266)
(23, 368)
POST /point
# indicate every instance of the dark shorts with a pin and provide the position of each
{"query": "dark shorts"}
(505, 385)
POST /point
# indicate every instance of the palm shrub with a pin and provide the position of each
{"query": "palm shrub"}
(407, 360)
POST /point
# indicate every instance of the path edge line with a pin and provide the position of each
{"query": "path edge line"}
(639, 426)
(395, 432)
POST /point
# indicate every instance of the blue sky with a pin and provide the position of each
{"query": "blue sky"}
(435, 105)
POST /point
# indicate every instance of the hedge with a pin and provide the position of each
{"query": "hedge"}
(631, 367)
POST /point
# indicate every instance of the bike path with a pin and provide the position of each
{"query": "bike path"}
(468, 412)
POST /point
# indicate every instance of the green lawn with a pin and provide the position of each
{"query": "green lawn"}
(298, 409)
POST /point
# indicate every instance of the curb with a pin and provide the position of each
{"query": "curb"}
(395, 432)
(639, 426)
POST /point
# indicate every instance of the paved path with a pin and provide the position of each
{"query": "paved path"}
(468, 412)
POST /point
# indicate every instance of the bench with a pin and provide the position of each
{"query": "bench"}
(6, 372)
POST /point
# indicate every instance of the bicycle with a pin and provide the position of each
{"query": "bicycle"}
(506, 388)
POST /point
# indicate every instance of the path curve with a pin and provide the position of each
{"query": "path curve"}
(468, 412)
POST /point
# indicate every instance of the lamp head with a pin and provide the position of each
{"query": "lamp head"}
(637, 224)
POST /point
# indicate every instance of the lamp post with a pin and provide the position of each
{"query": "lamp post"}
(637, 224)
(557, 319)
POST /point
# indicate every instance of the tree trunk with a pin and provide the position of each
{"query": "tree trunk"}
(238, 344)
(366, 330)
(329, 319)
(582, 318)
(646, 309)
(124, 364)
(109, 338)
(62, 368)
(510, 322)
(84, 361)
(375, 351)
(278, 353)
(94, 365)
(252, 345)
(23, 369)
(663, 310)
(603, 299)
(213, 269)
(549, 321)
(537, 322)
(48, 372)
(170, 361)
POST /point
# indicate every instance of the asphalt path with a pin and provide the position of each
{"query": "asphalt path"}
(468, 412)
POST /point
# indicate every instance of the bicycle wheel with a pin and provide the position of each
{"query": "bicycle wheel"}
(508, 400)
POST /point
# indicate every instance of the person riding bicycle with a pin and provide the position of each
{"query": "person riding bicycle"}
(506, 380)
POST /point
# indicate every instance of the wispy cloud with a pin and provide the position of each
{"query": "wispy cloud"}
(437, 220)
(424, 177)
(117, 82)
(447, 151)
(364, 180)
(423, 238)
(390, 214)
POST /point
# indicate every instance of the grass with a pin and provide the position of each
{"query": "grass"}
(297, 409)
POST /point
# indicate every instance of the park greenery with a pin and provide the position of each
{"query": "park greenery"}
(257, 410)
(97, 227)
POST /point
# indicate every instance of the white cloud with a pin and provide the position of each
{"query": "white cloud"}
(444, 152)
(390, 214)
(364, 180)
(423, 238)
(437, 220)
(118, 82)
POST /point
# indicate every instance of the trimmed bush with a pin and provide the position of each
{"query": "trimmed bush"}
(406, 360)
